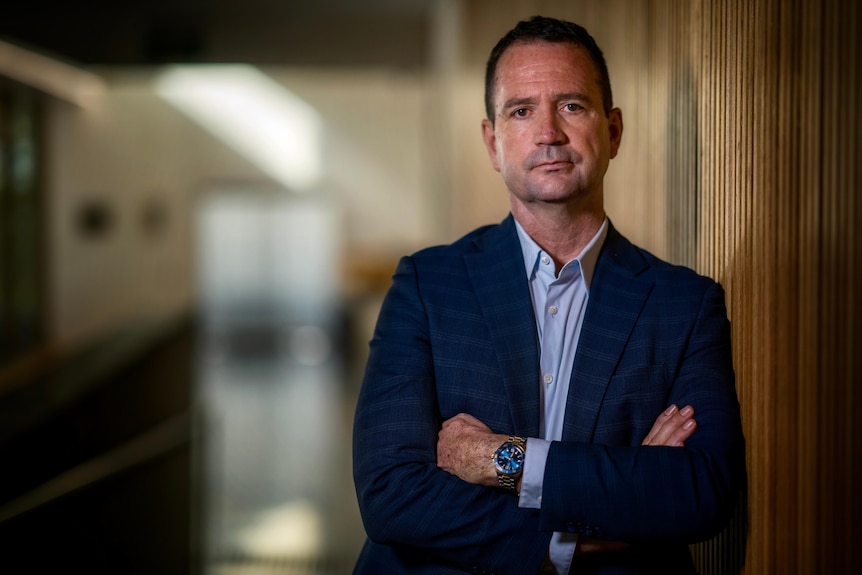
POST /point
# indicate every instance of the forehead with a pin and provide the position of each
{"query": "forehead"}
(530, 66)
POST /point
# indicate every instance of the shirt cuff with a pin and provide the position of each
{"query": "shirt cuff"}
(534, 473)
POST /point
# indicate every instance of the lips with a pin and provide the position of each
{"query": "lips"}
(550, 160)
(554, 165)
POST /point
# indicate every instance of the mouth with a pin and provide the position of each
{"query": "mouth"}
(554, 165)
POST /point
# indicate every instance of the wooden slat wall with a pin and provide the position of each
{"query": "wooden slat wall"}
(741, 158)
(779, 184)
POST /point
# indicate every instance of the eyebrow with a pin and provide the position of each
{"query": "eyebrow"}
(513, 102)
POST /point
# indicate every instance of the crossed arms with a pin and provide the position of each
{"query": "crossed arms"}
(464, 443)
(428, 364)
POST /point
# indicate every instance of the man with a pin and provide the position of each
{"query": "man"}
(519, 408)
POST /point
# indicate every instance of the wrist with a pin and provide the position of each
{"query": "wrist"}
(508, 461)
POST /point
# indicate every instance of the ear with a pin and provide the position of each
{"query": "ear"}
(615, 127)
(490, 140)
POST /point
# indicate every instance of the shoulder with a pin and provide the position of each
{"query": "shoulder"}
(665, 271)
(489, 236)
(491, 251)
(620, 259)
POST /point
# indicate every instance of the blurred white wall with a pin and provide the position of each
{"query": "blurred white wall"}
(145, 162)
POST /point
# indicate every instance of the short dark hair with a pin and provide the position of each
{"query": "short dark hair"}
(543, 29)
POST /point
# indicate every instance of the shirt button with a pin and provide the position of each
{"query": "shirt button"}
(546, 260)
(552, 310)
(549, 379)
(539, 500)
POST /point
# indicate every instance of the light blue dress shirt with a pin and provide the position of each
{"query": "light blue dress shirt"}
(559, 303)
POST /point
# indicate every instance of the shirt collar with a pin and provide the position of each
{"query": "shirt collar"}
(587, 259)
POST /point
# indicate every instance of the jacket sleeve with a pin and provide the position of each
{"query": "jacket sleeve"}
(405, 500)
(642, 494)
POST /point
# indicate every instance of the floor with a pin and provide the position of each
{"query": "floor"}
(279, 363)
(275, 458)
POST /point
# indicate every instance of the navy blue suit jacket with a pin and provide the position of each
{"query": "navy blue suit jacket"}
(456, 333)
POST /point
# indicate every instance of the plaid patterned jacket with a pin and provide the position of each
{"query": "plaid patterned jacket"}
(456, 333)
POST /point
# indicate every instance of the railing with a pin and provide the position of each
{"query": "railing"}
(97, 449)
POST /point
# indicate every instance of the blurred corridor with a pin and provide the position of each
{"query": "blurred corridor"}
(273, 386)
(192, 254)
(202, 203)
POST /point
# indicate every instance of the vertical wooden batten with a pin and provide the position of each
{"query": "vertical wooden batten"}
(779, 192)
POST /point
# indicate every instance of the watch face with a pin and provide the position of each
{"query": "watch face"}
(509, 459)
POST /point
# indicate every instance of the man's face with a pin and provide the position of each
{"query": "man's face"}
(551, 139)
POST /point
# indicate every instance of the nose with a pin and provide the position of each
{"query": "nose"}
(549, 132)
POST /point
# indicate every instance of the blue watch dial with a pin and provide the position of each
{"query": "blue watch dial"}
(509, 459)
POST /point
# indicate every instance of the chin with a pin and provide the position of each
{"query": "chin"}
(560, 196)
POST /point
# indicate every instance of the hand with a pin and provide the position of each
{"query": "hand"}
(672, 428)
(464, 448)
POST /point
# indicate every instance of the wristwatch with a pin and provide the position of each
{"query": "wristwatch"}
(509, 461)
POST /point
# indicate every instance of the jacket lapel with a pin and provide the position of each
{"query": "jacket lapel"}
(497, 273)
(617, 295)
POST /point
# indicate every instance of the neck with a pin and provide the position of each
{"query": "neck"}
(560, 230)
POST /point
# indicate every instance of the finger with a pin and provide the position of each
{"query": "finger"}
(683, 433)
(672, 428)
(467, 421)
(656, 427)
(464, 419)
(455, 420)
(676, 436)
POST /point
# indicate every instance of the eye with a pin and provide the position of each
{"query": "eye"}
(520, 112)
(572, 107)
